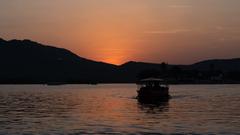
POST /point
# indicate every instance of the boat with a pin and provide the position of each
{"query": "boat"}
(55, 83)
(153, 90)
(92, 83)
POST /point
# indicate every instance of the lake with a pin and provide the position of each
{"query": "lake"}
(113, 109)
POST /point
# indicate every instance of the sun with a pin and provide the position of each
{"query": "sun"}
(116, 60)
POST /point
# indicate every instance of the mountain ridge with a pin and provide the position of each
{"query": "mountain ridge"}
(26, 61)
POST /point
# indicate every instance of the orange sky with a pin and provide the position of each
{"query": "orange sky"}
(117, 31)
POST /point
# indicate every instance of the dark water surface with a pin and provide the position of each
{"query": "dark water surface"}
(112, 109)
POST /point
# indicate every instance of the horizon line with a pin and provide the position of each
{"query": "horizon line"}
(126, 62)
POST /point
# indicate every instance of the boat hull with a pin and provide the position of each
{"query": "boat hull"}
(153, 95)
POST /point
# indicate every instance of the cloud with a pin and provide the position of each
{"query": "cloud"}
(179, 6)
(168, 31)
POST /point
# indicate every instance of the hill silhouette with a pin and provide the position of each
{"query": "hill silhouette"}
(26, 61)
(219, 64)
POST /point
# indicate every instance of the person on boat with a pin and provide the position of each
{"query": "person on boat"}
(156, 85)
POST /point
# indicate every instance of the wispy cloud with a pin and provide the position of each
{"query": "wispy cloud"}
(179, 6)
(168, 31)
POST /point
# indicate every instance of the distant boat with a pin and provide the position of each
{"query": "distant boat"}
(153, 90)
(55, 83)
(93, 83)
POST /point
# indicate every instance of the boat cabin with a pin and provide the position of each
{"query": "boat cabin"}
(152, 83)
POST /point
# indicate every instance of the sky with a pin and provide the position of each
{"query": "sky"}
(117, 31)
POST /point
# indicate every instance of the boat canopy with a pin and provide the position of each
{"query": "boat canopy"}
(152, 80)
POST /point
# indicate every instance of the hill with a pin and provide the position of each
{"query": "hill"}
(26, 61)
(218, 64)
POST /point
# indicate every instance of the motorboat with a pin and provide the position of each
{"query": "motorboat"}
(153, 89)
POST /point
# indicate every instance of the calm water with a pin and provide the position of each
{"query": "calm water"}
(112, 109)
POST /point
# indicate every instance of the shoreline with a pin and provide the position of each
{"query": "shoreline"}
(114, 83)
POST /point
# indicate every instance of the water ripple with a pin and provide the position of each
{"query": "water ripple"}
(111, 109)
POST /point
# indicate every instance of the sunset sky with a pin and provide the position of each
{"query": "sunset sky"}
(117, 31)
